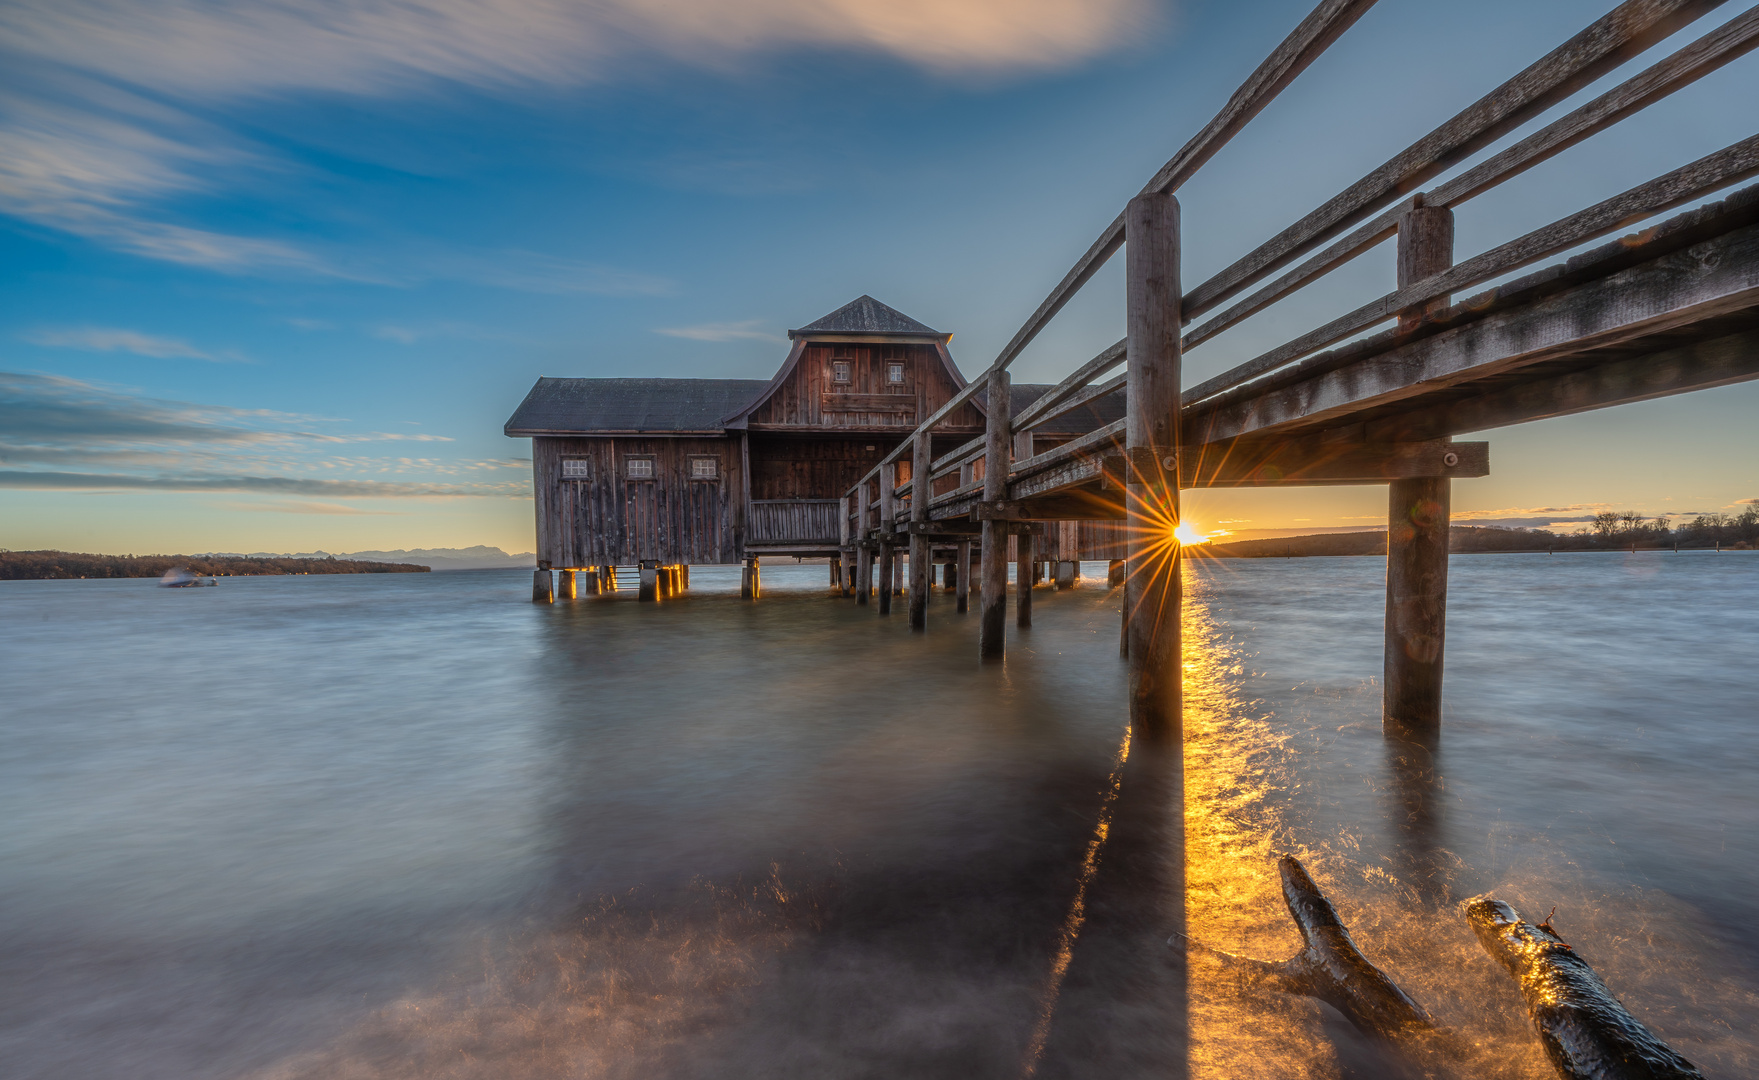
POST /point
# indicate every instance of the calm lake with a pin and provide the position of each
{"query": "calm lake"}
(412, 826)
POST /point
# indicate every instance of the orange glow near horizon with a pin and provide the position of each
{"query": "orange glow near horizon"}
(1188, 533)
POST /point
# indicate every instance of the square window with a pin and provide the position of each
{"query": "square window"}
(640, 468)
(704, 468)
(895, 372)
(840, 371)
(574, 469)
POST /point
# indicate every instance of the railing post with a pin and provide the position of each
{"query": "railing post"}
(921, 565)
(992, 631)
(1417, 527)
(863, 553)
(1152, 591)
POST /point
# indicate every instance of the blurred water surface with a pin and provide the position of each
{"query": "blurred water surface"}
(413, 826)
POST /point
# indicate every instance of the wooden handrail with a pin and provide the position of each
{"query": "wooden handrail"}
(1322, 26)
(1611, 40)
(1701, 177)
(1034, 413)
(1726, 43)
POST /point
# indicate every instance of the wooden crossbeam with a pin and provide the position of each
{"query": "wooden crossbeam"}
(1708, 280)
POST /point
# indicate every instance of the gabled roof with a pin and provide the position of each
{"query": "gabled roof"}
(866, 316)
(630, 406)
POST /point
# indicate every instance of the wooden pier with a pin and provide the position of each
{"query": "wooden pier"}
(1373, 396)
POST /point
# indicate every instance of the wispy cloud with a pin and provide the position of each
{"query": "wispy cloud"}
(85, 153)
(105, 339)
(65, 434)
(726, 331)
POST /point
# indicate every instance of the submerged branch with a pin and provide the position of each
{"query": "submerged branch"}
(1587, 1033)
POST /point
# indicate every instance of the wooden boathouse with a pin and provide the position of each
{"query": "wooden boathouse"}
(661, 474)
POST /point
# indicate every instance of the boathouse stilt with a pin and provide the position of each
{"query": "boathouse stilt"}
(543, 588)
(1152, 590)
(565, 585)
(1023, 580)
(992, 630)
(962, 580)
(1114, 573)
(1417, 525)
(649, 575)
(863, 550)
(921, 562)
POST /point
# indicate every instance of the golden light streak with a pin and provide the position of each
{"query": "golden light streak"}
(1077, 912)
(1187, 533)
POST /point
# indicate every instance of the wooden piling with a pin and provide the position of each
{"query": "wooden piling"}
(565, 585)
(992, 631)
(756, 578)
(921, 565)
(1023, 564)
(888, 510)
(885, 578)
(592, 581)
(864, 553)
(543, 589)
(1417, 526)
(650, 581)
(962, 579)
(1065, 574)
(1152, 590)
(1114, 573)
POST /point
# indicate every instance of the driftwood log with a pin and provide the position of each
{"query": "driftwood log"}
(1587, 1034)
(1330, 967)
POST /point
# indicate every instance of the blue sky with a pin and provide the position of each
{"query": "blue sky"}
(275, 273)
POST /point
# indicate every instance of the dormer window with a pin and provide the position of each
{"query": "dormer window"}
(840, 371)
(895, 372)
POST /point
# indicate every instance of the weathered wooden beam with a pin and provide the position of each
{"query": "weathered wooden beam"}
(1153, 594)
(1417, 528)
(864, 558)
(1700, 366)
(1712, 278)
(1710, 52)
(1586, 1031)
(1621, 34)
(1728, 166)
(1317, 462)
(921, 569)
(992, 630)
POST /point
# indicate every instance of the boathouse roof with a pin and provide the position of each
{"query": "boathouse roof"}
(869, 318)
(630, 406)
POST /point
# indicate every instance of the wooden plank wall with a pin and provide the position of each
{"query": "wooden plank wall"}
(609, 519)
(808, 398)
(812, 468)
(792, 521)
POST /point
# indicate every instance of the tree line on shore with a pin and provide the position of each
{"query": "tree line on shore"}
(32, 565)
(1609, 531)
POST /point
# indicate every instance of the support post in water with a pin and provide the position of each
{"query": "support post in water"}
(1417, 526)
(1023, 580)
(962, 578)
(992, 631)
(543, 588)
(921, 565)
(1152, 590)
(863, 553)
(650, 580)
(565, 585)
(888, 495)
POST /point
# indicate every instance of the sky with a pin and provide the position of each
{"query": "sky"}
(273, 273)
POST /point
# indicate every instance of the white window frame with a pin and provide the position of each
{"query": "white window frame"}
(646, 470)
(842, 371)
(576, 469)
(713, 463)
(895, 372)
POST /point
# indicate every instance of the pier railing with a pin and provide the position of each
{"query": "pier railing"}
(1372, 208)
(987, 480)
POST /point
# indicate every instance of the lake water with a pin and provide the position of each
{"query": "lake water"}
(414, 826)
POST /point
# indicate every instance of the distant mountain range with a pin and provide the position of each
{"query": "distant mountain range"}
(470, 558)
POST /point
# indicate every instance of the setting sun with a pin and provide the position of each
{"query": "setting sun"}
(1188, 533)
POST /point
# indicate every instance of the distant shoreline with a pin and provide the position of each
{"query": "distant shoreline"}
(63, 565)
(1462, 540)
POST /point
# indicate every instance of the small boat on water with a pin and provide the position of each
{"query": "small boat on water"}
(179, 577)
